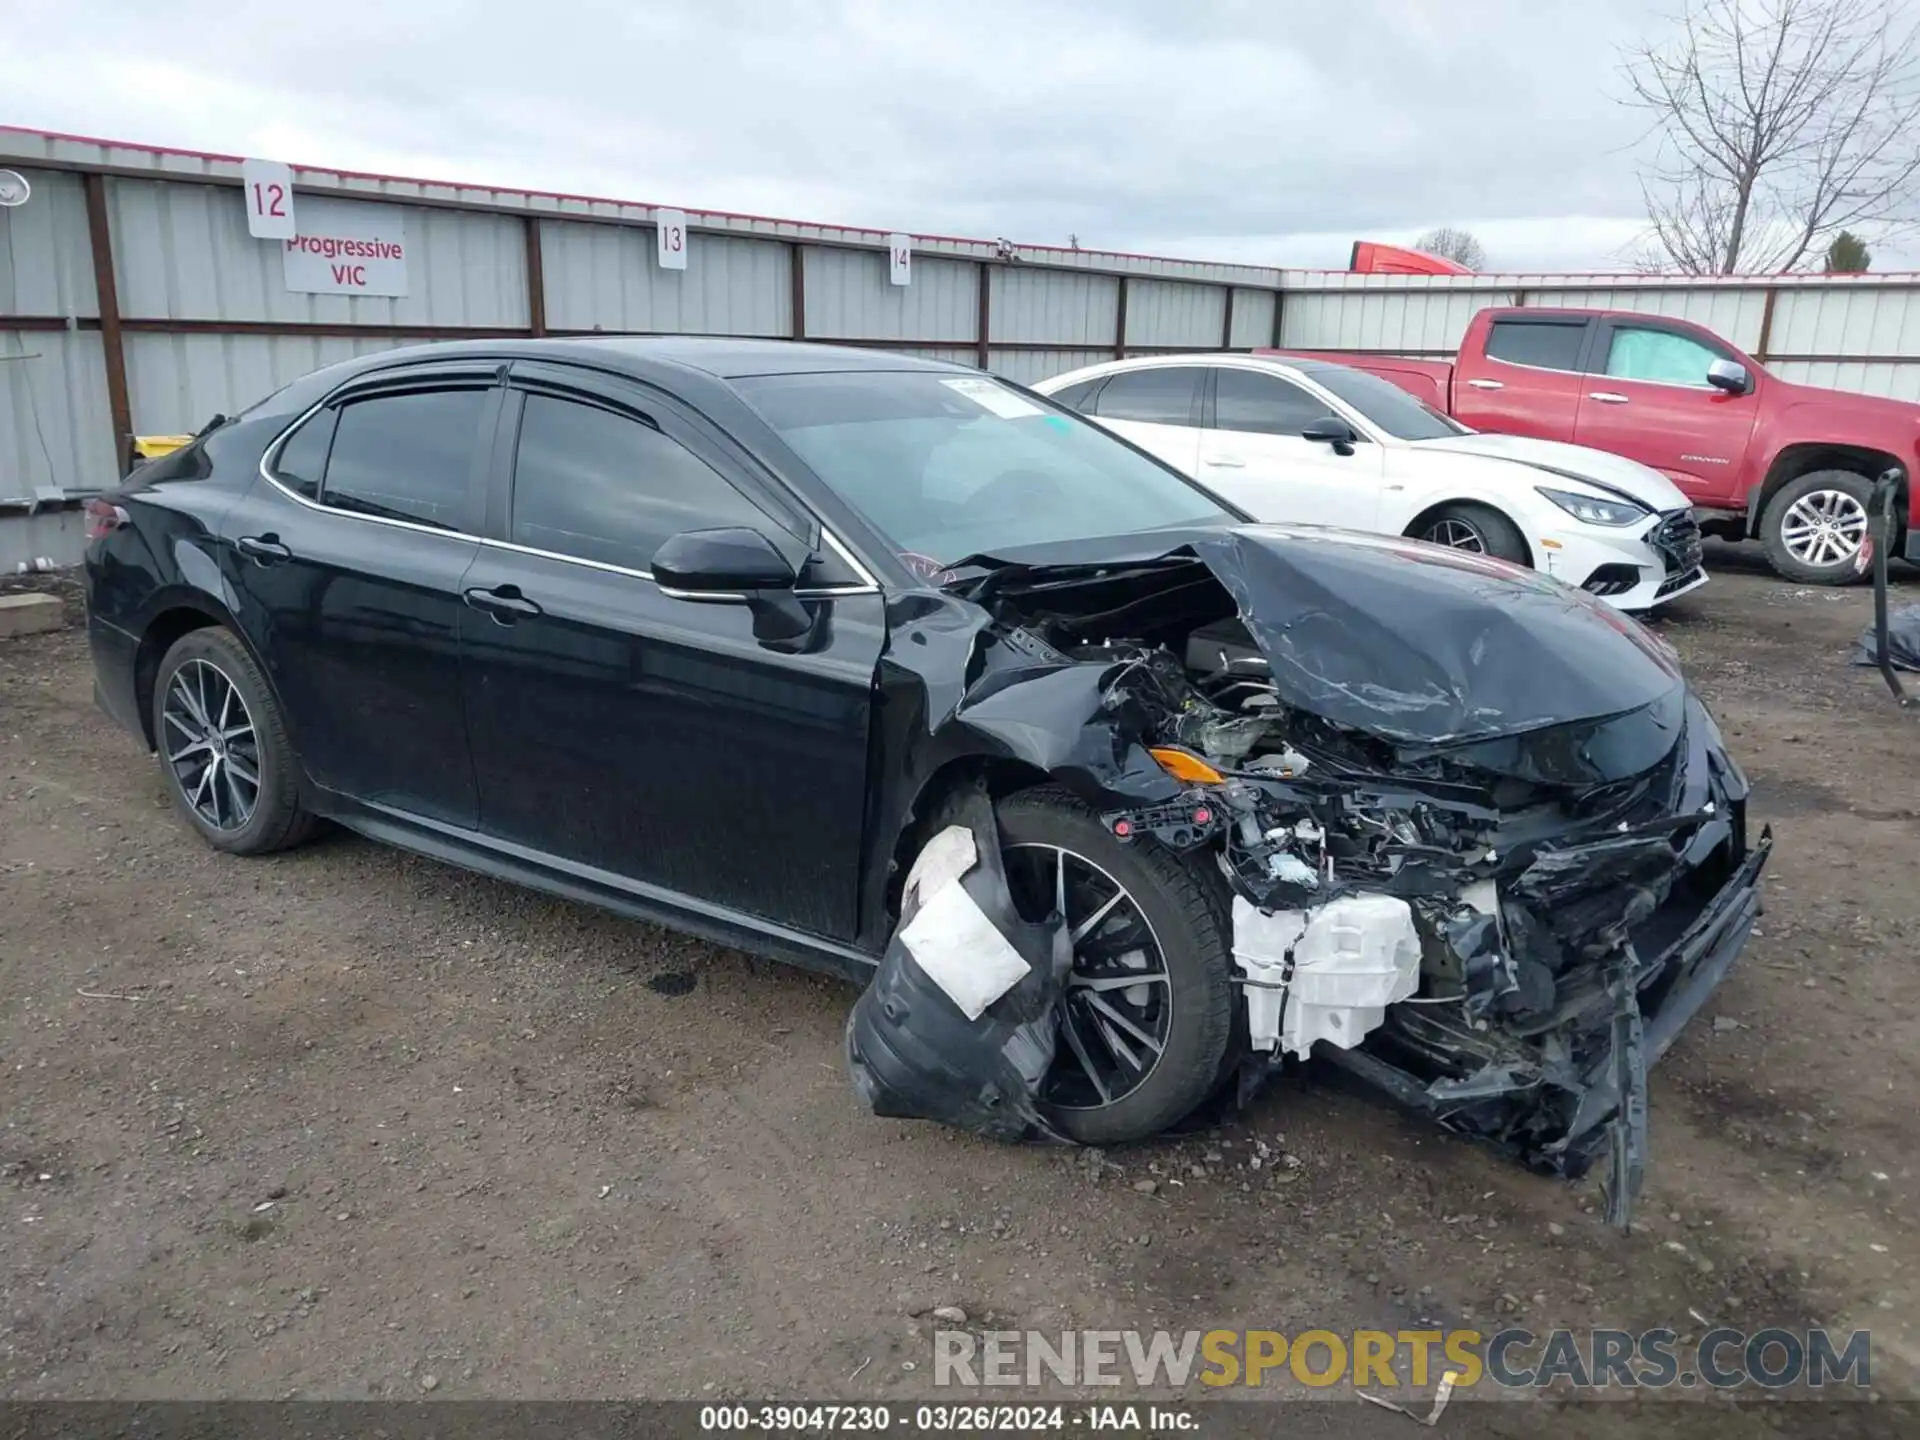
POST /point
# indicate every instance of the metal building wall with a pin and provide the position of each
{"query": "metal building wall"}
(849, 297)
(189, 315)
(1029, 367)
(180, 313)
(54, 430)
(53, 408)
(603, 277)
(182, 252)
(1064, 308)
(1171, 315)
(45, 262)
(179, 382)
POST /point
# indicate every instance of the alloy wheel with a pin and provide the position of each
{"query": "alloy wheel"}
(1118, 1011)
(1455, 534)
(1823, 527)
(211, 746)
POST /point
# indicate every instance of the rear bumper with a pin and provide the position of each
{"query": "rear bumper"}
(114, 686)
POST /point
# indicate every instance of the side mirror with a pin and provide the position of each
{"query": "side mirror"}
(1730, 376)
(1331, 430)
(737, 566)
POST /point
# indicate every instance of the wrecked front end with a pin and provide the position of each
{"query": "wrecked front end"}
(1483, 846)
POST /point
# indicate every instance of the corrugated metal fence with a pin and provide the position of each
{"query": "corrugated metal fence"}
(134, 301)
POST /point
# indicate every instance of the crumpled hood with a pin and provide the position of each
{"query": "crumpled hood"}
(1598, 467)
(1422, 645)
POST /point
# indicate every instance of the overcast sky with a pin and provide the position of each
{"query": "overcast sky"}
(1269, 131)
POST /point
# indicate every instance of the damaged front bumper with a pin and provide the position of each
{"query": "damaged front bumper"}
(1482, 845)
(1648, 1002)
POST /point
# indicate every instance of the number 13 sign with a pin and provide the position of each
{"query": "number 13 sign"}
(268, 186)
(671, 228)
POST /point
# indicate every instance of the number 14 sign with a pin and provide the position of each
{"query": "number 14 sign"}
(269, 195)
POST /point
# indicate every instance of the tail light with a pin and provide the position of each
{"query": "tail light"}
(103, 518)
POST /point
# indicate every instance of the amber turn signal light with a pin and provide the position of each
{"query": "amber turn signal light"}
(1182, 766)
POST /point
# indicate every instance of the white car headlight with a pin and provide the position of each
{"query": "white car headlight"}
(1595, 511)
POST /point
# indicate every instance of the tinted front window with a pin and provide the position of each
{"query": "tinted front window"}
(1161, 396)
(1637, 354)
(1543, 345)
(1386, 405)
(946, 465)
(303, 459)
(1249, 400)
(406, 457)
(601, 486)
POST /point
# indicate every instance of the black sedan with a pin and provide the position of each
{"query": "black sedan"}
(730, 634)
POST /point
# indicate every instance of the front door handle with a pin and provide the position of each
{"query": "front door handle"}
(1488, 384)
(266, 549)
(1607, 397)
(1226, 462)
(504, 603)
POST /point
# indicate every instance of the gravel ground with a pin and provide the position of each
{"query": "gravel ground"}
(347, 1123)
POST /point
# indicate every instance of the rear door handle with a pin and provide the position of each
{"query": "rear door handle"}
(1226, 462)
(1488, 384)
(264, 548)
(504, 603)
(1607, 397)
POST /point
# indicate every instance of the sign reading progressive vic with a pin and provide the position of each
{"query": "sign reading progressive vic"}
(346, 248)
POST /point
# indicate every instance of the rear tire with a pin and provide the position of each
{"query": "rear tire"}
(1813, 527)
(1477, 529)
(1185, 907)
(223, 746)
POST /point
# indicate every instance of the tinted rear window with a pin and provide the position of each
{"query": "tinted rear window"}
(407, 457)
(303, 459)
(1161, 396)
(1074, 397)
(1545, 346)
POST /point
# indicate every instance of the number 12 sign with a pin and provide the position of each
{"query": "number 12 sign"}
(268, 186)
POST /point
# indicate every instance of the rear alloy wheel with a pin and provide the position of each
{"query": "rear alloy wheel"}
(211, 746)
(1478, 529)
(1146, 1021)
(1814, 527)
(223, 747)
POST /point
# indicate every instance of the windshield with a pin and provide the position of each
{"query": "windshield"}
(1388, 406)
(947, 465)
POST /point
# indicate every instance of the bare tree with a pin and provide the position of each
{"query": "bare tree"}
(1452, 243)
(1781, 123)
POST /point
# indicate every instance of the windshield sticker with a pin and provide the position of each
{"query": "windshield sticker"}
(994, 398)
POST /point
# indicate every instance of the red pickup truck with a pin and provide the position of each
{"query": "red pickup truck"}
(1758, 456)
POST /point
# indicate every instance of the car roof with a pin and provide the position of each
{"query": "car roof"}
(1236, 359)
(696, 366)
(730, 358)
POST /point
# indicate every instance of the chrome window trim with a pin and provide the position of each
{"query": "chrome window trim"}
(866, 586)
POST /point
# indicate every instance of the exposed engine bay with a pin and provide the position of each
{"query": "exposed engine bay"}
(1490, 866)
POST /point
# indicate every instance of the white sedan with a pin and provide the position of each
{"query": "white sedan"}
(1321, 444)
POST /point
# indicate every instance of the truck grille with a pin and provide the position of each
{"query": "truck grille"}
(1677, 538)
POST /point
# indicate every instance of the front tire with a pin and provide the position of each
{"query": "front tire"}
(1814, 525)
(1148, 1015)
(223, 746)
(1477, 529)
